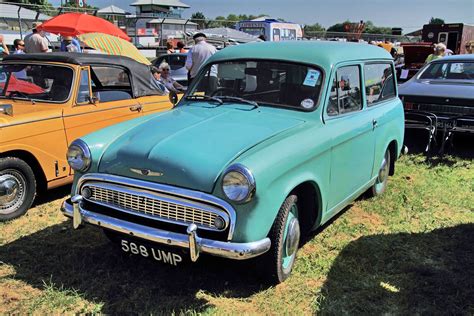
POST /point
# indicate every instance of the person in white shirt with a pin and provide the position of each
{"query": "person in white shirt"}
(198, 55)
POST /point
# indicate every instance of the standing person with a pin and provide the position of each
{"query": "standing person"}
(200, 52)
(181, 48)
(439, 52)
(36, 42)
(170, 48)
(70, 44)
(19, 46)
(470, 47)
(3, 47)
(167, 80)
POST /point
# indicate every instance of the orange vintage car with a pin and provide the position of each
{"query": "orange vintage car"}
(49, 100)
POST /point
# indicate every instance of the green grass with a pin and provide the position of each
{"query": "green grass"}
(409, 251)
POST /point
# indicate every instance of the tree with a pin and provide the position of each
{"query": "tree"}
(436, 21)
(308, 29)
(199, 19)
(338, 27)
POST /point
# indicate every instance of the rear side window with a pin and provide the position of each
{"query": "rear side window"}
(379, 83)
(345, 91)
(111, 76)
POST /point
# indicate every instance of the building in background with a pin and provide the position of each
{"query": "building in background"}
(157, 21)
(114, 14)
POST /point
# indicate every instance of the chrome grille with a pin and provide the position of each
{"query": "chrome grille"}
(157, 206)
(454, 109)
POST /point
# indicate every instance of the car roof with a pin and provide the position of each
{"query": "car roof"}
(75, 58)
(464, 57)
(140, 74)
(323, 53)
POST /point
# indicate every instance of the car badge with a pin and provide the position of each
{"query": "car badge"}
(146, 172)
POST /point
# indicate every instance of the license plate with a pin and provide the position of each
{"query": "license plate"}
(442, 124)
(151, 252)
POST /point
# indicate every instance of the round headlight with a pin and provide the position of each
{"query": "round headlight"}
(79, 156)
(238, 183)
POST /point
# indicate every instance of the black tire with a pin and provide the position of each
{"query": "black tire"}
(17, 188)
(380, 184)
(279, 260)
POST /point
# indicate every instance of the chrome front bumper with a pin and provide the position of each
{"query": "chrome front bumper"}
(196, 245)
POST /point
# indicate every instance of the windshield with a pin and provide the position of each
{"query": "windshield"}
(271, 83)
(449, 70)
(37, 82)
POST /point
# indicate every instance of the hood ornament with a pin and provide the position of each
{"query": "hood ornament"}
(146, 172)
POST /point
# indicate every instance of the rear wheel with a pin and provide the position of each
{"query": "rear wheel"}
(17, 188)
(285, 237)
(381, 182)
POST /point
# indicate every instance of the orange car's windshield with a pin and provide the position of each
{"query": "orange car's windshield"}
(38, 82)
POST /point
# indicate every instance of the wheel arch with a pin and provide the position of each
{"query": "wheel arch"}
(393, 149)
(310, 202)
(30, 159)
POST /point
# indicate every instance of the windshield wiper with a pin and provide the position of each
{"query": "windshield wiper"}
(204, 97)
(242, 100)
(20, 95)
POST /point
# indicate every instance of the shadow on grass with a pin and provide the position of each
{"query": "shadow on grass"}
(84, 260)
(53, 194)
(426, 273)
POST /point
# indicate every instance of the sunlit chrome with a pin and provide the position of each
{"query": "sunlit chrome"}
(193, 245)
(86, 153)
(248, 175)
(169, 194)
(236, 251)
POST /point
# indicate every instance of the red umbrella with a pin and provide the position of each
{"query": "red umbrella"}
(74, 24)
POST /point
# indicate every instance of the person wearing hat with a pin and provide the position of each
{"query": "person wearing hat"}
(198, 55)
(439, 52)
(70, 44)
(35, 42)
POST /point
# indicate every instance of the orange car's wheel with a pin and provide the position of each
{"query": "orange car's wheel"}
(17, 188)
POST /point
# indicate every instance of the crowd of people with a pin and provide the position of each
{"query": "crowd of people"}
(36, 42)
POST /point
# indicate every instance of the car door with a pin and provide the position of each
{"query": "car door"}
(352, 136)
(103, 97)
(380, 92)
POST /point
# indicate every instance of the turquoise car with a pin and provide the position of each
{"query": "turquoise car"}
(270, 141)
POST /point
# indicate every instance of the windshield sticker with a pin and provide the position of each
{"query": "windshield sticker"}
(307, 103)
(311, 78)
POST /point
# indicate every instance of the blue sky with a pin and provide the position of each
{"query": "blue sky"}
(409, 14)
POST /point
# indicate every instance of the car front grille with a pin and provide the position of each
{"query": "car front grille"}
(156, 205)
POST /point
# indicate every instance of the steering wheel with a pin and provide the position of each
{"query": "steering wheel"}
(224, 91)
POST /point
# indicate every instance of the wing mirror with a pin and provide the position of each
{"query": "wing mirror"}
(94, 98)
(173, 98)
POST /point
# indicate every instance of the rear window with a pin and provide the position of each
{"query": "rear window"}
(110, 76)
(379, 83)
(449, 70)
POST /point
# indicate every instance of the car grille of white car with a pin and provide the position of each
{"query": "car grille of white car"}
(156, 206)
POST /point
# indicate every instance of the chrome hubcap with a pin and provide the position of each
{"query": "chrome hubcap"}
(12, 191)
(292, 237)
(383, 172)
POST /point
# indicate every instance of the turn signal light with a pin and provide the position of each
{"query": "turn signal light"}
(408, 106)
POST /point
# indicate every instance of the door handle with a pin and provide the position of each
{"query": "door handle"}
(135, 108)
(374, 123)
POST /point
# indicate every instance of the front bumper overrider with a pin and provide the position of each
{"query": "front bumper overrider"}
(196, 245)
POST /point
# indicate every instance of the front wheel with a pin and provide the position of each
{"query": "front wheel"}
(285, 237)
(382, 178)
(17, 188)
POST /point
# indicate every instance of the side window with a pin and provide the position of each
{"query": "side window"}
(83, 95)
(379, 83)
(111, 83)
(345, 94)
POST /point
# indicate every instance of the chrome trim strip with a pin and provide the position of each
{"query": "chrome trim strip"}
(163, 188)
(33, 121)
(155, 196)
(236, 251)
